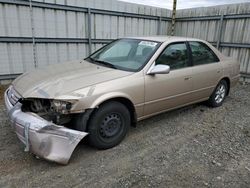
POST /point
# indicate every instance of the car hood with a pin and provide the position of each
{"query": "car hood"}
(61, 79)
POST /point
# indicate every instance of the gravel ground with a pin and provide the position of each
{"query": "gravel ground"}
(194, 146)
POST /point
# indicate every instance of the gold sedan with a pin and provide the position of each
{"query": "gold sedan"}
(128, 80)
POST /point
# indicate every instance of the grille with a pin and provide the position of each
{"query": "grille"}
(13, 96)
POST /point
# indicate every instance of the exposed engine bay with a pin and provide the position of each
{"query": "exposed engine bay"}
(51, 110)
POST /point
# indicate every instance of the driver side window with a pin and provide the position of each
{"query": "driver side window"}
(175, 56)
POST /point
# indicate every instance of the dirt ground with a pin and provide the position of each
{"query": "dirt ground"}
(2, 89)
(194, 146)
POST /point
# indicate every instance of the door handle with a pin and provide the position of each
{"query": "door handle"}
(187, 78)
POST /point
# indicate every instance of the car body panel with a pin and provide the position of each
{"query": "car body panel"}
(205, 78)
(130, 87)
(165, 91)
(61, 79)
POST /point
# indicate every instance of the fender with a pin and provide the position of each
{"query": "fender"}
(109, 96)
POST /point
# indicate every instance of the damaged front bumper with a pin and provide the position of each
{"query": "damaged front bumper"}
(43, 138)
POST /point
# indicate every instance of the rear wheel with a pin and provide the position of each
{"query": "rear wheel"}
(108, 125)
(219, 94)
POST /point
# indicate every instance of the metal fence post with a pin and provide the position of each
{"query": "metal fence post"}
(173, 16)
(159, 26)
(33, 33)
(89, 31)
(220, 31)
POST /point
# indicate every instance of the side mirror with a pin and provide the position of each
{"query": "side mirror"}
(159, 69)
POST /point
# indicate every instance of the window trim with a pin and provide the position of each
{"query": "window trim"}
(188, 54)
(207, 47)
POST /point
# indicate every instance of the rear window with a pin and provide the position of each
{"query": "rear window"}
(202, 54)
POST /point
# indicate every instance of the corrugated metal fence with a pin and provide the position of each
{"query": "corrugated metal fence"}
(227, 27)
(34, 34)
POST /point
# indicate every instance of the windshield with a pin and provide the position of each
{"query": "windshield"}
(125, 54)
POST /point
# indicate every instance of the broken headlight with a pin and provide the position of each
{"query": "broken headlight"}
(60, 106)
(47, 106)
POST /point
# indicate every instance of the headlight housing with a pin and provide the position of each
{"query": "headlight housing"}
(60, 106)
(45, 106)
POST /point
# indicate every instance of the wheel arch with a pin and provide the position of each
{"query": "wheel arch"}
(227, 79)
(123, 99)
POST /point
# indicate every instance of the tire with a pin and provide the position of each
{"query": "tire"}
(218, 95)
(108, 125)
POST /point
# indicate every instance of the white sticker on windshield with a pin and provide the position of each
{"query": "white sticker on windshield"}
(148, 43)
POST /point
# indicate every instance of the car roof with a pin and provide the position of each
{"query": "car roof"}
(165, 38)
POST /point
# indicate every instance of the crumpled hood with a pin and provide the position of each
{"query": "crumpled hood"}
(60, 79)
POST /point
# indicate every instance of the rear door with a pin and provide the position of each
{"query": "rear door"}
(207, 70)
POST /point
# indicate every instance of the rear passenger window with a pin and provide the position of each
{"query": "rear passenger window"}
(175, 55)
(202, 54)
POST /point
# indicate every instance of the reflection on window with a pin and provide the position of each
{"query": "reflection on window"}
(126, 54)
(121, 50)
(175, 55)
(202, 54)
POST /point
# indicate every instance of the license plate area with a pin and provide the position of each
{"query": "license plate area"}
(23, 134)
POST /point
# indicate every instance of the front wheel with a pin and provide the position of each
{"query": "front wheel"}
(108, 125)
(219, 94)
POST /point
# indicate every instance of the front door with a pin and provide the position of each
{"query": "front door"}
(166, 91)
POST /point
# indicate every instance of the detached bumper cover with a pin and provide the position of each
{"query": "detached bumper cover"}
(43, 138)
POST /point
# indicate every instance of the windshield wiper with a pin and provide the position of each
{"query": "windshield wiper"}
(105, 63)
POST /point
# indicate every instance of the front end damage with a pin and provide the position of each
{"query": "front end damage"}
(41, 136)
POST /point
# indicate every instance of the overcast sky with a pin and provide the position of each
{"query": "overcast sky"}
(181, 4)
